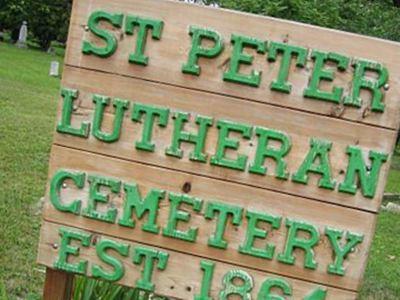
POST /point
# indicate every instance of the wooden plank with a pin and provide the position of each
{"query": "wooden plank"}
(58, 285)
(146, 177)
(181, 278)
(162, 83)
(169, 54)
(301, 127)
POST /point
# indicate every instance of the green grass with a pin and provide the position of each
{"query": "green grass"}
(28, 99)
(27, 115)
(381, 279)
(393, 181)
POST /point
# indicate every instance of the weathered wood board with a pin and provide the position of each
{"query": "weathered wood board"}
(300, 126)
(183, 276)
(251, 174)
(147, 177)
(169, 54)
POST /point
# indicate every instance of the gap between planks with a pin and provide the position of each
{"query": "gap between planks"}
(238, 98)
(216, 178)
(203, 257)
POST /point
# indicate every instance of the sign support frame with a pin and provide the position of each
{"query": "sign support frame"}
(58, 285)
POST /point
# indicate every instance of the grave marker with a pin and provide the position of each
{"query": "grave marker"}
(196, 147)
(23, 35)
(54, 69)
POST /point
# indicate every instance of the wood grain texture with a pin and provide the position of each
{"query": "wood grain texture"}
(162, 83)
(182, 277)
(168, 55)
(301, 127)
(318, 214)
(58, 285)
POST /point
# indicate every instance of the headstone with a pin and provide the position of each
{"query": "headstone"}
(51, 51)
(201, 2)
(23, 34)
(54, 69)
(392, 207)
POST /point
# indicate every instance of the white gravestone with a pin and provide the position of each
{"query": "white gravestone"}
(201, 2)
(23, 35)
(54, 68)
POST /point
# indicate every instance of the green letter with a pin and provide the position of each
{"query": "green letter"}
(208, 270)
(183, 136)
(263, 151)
(198, 34)
(111, 42)
(120, 107)
(219, 159)
(232, 288)
(55, 186)
(151, 113)
(334, 237)
(319, 150)
(320, 73)
(238, 57)
(95, 195)
(254, 232)
(368, 176)
(281, 84)
(293, 241)
(65, 124)
(373, 85)
(101, 249)
(66, 249)
(224, 211)
(135, 203)
(274, 283)
(148, 256)
(318, 294)
(144, 25)
(176, 215)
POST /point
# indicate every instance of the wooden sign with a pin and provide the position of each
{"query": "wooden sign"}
(206, 154)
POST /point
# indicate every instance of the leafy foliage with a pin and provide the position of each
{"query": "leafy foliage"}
(90, 289)
(12, 13)
(379, 18)
(47, 19)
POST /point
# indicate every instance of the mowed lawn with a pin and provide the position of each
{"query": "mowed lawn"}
(28, 99)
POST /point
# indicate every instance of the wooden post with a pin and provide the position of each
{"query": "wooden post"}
(58, 285)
